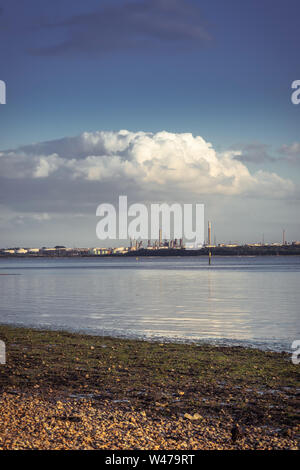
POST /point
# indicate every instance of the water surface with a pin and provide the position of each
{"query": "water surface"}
(238, 300)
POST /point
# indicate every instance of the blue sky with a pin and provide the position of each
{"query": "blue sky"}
(218, 69)
(233, 86)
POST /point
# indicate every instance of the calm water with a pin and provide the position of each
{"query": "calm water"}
(239, 300)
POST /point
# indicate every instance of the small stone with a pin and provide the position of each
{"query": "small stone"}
(192, 417)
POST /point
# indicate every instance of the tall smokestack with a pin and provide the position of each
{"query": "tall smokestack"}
(283, 237)
(160, 237)
(209, 234)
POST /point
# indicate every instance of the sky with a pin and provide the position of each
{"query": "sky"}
(162, 100)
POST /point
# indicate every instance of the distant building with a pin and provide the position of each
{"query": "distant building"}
(132, 248)
(190, 246)
(122, 249)
(21, 251)
(100, 251)
(81, 251)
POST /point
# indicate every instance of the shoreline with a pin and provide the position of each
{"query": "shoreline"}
(260, 345)
(187, 396)
(184, 254)
(222, 251)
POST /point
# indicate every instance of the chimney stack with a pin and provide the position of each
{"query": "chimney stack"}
(209, 234)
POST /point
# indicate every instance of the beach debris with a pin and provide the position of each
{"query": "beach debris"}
(237, 432)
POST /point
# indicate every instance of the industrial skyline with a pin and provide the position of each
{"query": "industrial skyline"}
(135, 245)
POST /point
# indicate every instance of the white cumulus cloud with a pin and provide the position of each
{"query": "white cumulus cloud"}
(150, 161)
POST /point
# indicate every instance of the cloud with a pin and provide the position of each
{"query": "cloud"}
(18, 164)
(259, 153)
(291, 153)
(133, 25)
(147, 163)
(30, 218)
(49, 191)
(255, 153)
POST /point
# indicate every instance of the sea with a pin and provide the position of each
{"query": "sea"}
(235, 301)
